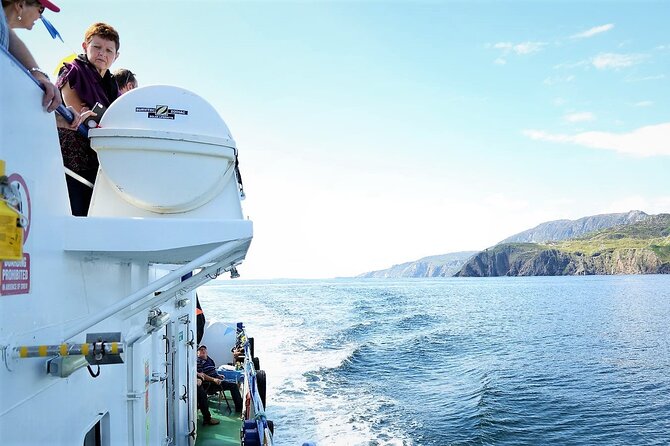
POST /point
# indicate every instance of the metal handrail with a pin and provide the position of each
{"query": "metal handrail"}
(206, 274)
(42, 351)
(151, 288)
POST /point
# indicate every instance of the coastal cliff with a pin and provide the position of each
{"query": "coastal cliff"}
(444, 265)
(513, 260)
(638, 248)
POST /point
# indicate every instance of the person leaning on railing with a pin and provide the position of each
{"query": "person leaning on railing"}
(23, 14)
(10, 41)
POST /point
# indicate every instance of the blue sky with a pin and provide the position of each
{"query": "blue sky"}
(377, 132)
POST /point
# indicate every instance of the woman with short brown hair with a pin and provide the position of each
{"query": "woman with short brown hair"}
(83, 83)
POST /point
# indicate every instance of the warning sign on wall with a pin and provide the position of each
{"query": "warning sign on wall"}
(15, 276)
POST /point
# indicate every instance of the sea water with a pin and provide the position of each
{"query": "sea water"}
(460, 361)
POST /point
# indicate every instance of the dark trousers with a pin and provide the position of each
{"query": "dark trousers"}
(79, 193)
(203, 405)
(234, 391)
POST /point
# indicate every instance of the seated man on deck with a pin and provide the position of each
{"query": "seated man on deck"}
(207, 372)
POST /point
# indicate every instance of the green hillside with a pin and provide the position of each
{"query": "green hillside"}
(638, 248)
(653, 233)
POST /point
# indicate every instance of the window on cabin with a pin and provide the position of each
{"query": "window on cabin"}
(98, 434)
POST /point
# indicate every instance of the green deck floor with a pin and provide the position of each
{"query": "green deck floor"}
(225, 433)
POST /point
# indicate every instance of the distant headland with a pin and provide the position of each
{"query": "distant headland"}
(623, 243)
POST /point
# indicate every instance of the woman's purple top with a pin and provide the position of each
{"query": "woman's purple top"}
(85, 80)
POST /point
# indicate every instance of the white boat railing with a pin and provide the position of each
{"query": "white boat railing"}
(192, 282)
(259, 417)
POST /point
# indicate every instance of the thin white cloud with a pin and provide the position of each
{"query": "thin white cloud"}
(616, 61)
(528, 47)
(507, 46)
(553, 80)
(559, 102)
(593, 31)
(569, 66)
(500, 61)
(652, 140)
(520, 49)
(580, 117)
(644, 104)
(646, 78)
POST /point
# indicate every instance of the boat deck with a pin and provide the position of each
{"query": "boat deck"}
(227, 432)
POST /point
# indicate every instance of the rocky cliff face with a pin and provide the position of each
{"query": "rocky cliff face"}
(515, 260)
(565, 229)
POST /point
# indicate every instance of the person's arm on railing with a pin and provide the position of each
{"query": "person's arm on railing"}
(66, 117)
(19, 50)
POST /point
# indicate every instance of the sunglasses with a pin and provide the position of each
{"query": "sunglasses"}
(129, 75)
(38, 5)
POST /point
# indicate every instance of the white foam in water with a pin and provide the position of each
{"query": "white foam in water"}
(292, 353)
